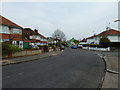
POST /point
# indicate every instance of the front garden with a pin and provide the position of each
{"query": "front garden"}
(9, 50)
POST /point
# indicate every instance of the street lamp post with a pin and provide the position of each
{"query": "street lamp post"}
(118, 23)
(116, 20)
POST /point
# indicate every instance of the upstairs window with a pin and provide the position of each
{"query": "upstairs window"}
(4, 29)
(15, 30)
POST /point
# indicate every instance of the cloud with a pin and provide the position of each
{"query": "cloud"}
(77, 20)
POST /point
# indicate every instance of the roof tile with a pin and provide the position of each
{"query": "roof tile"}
(5, 21)
(107, 32)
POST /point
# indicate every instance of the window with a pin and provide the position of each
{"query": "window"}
(4, 29)
(3, 40)
(0, 40)
(37, 37)
(14, 42)
(0, 29)
(15, 30)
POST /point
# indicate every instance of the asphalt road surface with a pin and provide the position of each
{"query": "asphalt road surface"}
(74, 68)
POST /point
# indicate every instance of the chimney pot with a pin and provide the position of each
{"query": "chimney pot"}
(36, 30)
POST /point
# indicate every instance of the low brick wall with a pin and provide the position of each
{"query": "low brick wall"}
(26, 53)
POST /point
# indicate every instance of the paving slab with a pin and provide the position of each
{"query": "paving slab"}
(111, 59)
(110, 81)
(112, 63)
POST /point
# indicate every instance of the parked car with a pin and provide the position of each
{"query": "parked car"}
(74, 47)
(32, 47)
(79, 46)
(67, 45)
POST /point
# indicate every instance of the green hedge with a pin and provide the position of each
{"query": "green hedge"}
(91, 45)
(111, 44)
(103, 45)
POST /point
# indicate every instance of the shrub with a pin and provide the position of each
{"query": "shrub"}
(53, 45)
(103, 45)
(90, 45)
(40, 45)
(95, 45)
(50, 47)
(34, 49)
(111, 44)
(58, 44)
(104, 40)
(8, 48)
(46, 45)
(76, 41)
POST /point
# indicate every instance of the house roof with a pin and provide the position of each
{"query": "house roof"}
(42, 36)
(71, 40)
(107, 32)
(30, 31)
(5, 21)
(84, 40)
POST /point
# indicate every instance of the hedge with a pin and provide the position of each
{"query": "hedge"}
(103, 45)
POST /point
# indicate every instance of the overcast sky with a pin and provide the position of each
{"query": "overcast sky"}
(75, 19)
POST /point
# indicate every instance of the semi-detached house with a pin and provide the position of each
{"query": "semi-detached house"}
(10, 31)
(19, 36)
(111, 34)
(33, 37)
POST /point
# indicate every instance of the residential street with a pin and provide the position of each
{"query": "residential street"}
(73, 68)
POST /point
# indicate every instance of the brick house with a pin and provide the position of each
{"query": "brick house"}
(33, 37)
(111, 34)
(10, 31)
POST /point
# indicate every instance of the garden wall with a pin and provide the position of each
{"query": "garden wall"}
(26, 53)
(96, 48)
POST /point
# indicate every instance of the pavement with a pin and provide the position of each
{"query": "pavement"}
(18, 60)
(112, 71)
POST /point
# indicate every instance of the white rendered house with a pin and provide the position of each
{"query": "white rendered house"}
(112, 35)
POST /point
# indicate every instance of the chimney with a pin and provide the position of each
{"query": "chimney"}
(108, 28)
(36, 30)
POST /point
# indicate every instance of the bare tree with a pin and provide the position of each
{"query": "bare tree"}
(58, 34)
